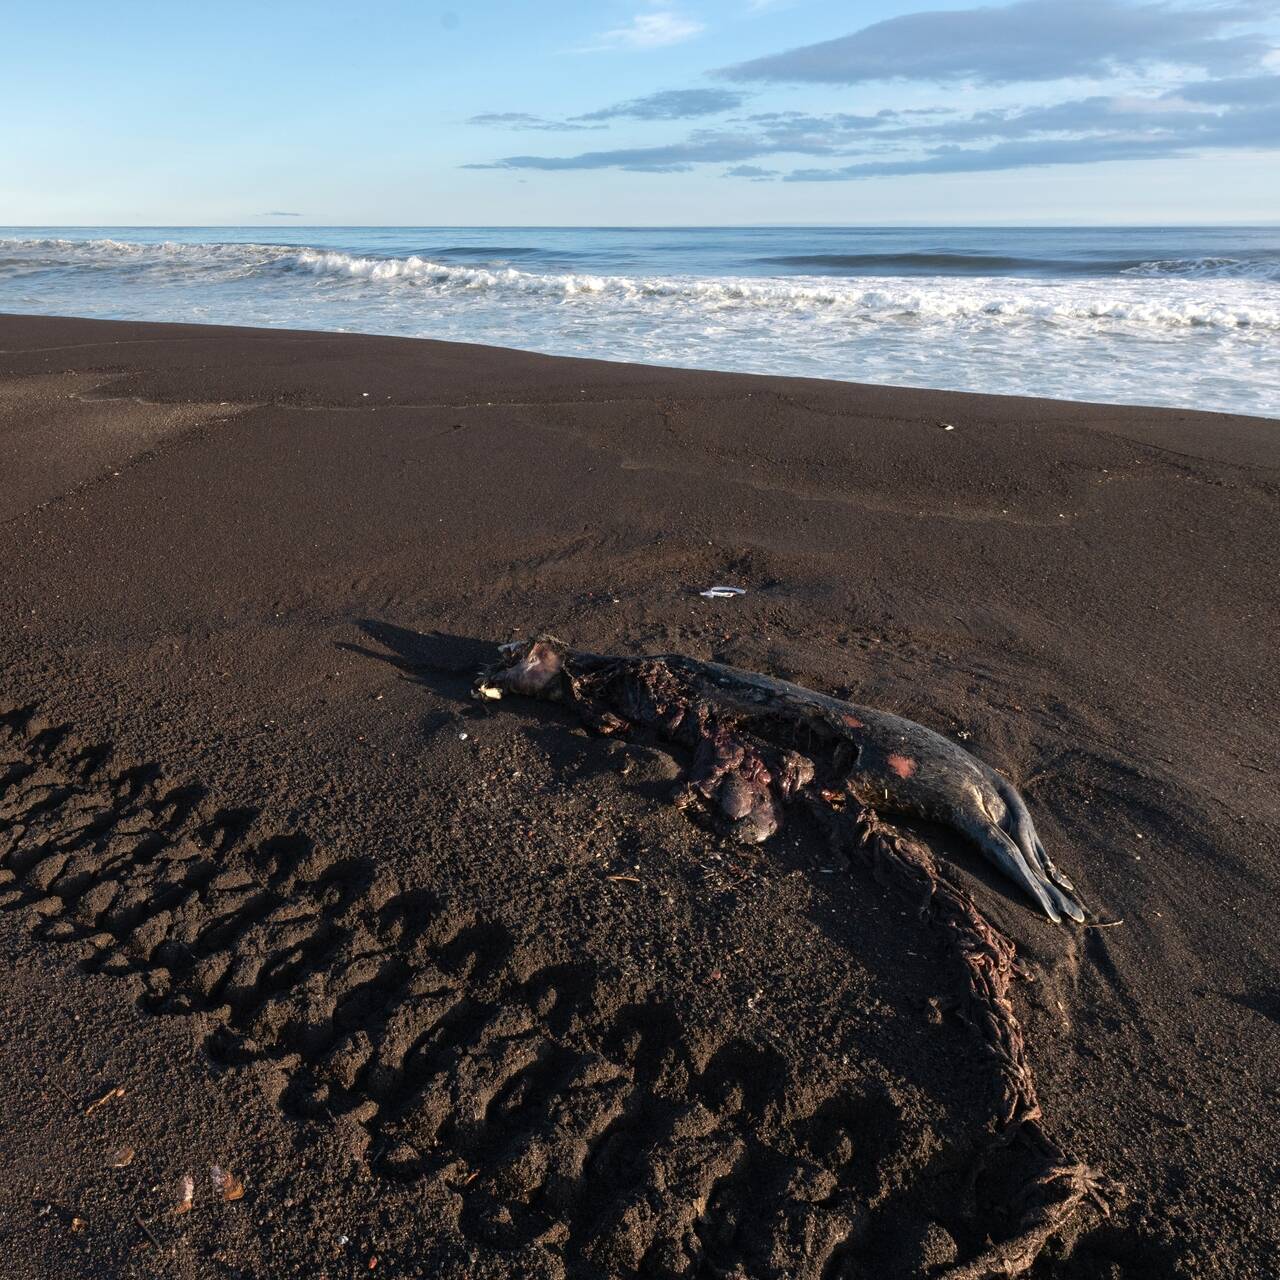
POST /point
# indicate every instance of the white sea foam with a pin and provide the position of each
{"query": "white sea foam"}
(943, 298)
(1183, 331)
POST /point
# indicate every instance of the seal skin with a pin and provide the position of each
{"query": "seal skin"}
(757, 742)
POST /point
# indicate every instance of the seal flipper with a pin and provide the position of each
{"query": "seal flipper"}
(1024, 835)
(1001, 849)
(1066, 903)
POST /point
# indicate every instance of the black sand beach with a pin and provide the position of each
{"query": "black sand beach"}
(453, 990)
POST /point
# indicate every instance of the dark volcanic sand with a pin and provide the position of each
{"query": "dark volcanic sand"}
(458, 991)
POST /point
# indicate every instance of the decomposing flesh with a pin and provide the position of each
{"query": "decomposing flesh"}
(759, 742)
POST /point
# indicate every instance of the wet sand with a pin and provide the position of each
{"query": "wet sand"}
(455, 989)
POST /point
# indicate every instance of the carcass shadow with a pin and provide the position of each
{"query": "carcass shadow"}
(445, 663)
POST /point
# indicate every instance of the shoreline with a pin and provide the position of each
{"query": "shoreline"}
(933, 395)
(462, 988)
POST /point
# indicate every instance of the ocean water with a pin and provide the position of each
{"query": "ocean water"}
(1163, 316)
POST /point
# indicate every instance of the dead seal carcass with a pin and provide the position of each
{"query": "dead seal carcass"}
(758, 743)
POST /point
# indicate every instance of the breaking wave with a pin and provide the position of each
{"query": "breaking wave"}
(944, 300)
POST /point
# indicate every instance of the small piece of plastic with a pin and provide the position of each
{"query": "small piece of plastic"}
(186, 1194)
(722, 593)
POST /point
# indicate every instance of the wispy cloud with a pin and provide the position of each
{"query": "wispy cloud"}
(676, 157)
(1027, 41)
(752, 171)
(764, 133)
(526, 120)
(1003, 155)
(280, 213)
(1205, 115)
(1197, 118)
(652, 30)
(670, 104)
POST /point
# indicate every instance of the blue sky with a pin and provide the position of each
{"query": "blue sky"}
(693, 111)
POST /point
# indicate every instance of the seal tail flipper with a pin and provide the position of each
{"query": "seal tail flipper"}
(1023, 834)
(1001, 850)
